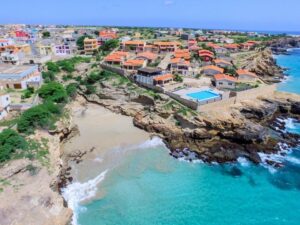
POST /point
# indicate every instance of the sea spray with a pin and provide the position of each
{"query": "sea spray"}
(78, 192)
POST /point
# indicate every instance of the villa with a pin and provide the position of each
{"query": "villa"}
(211, 70)
(106, 35)
(232, 47)
(167, 46)
(182, 53)
(136, 46)
(149, 56)
(180, 66)
(19, 77)
(224, 81)
(222, 63)
(134, 64)
(116, 58)
(152, 76)
(206, 55)
(246, 76)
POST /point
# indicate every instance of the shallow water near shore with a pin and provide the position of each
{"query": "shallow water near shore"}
(138, 183)
(292, 62)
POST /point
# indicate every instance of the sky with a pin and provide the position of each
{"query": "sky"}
(258, 15)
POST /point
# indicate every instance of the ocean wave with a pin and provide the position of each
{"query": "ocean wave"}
(78, 192)
(152, 143)
(243, 161)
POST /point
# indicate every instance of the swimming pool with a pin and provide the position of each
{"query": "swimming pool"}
(203, 95)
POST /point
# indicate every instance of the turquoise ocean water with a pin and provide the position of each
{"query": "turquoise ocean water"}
(150, 188)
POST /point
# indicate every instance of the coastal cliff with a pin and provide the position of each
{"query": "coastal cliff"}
(262, 63)
(241, 130)
(33, 184)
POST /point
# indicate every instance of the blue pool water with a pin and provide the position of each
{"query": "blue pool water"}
(203, 95)
(148, 187)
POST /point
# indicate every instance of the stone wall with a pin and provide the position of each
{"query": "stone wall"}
(240, 96)
(114, 69)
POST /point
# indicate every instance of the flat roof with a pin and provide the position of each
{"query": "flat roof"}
(15, 71)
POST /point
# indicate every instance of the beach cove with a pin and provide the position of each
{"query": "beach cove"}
(142, 184)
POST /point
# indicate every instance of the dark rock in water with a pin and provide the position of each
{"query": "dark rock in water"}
(233, 171)
(295, 108)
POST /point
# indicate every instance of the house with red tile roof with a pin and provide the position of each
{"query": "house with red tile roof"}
(149, 56)
(136, 46)
(218, 49)
(232, 47)
(246, 76)
(211, 70)
(180, 66)
(206, 55)
(116, 58)
(224, 81)
(167, 46)
(222, 63)
(182, 53)
(151, 48)
(134, 64)
(163, 79)
(106, 35)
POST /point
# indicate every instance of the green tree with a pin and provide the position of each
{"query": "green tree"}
(46, 34)
(178, 78)
(110, 45)
(53, 91)
(80, 41)
(10, 142)
(53, 67)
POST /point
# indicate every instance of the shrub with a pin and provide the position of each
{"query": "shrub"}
(51, 66)
(110, 45)
(10, 141)
(72, 89)
(178, 78)
(42, 116)
(90, 89)
(48, 76)
(53, 91)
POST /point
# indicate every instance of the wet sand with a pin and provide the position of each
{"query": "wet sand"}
(110, 135)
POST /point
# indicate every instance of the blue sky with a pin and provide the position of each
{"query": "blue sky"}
(280, 15)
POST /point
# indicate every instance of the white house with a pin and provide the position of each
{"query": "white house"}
(224, 81)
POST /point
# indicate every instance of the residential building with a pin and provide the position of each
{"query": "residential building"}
(167, 46)
(232, 47)
(116, 58)
(146, 75)
(222, 63)
(182, 53)
(134, 64)
(136, 46)
(180, 66)
(211, 70)
(246, 76)
(224, 81)
(206, 55)
(90, 45)
(149, 56)
(106, 35)
(62, 49)
(19, 77)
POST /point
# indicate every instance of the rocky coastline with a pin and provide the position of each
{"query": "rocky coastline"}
(243, 131)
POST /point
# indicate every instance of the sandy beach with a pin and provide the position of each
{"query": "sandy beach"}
(107, 134)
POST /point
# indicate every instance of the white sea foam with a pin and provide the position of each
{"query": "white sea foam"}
(78, 192)
(289, 123)
(243, 161)
(151, 143)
